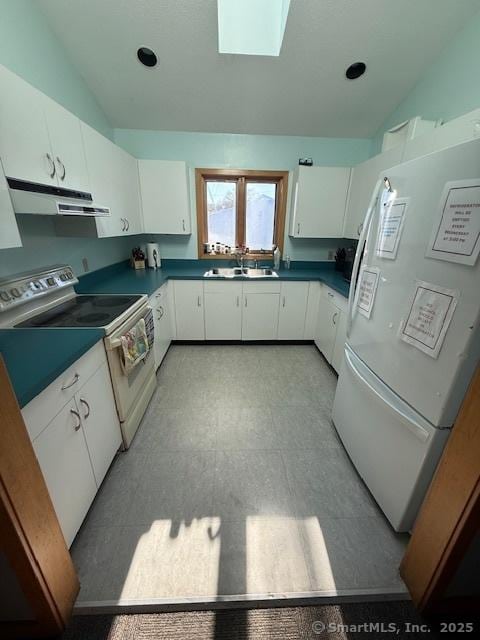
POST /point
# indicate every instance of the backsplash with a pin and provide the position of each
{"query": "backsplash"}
(41, 247)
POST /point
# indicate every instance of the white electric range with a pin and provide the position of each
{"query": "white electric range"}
(46, 299)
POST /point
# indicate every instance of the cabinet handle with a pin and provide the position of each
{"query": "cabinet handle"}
(335, 317)
(183, 224)
(330, 294)
(359, 229)
(128, 223)
(123, 223)
(199, 302)
(298, 228)
(246, 301)
(283, 301)
(64, 171)
(85, 403)
(52, 165)
(76, 378)
(238, 301)
(160, 311)
(79, 421)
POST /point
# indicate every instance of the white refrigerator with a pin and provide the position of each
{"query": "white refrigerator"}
(413, 339)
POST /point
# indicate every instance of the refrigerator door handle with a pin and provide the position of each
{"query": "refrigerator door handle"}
(417, 429)
(358, 254)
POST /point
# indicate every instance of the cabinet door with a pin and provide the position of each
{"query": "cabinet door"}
(25, 148)
(63, 457)
(326, 327)
(105, 178)
(364, 179)
(165, 196)
(189, 316)
(319, 199)
(223, 311)
(314, 291)
(341, 336)
(293, 309)
(96, 405)
(130, 190)
(162, 321)
(260, 316)
(9, 235)
(67, 146)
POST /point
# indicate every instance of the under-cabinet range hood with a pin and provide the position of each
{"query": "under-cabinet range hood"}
(49, 200)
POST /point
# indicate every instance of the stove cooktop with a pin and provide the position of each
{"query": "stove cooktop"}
(83, 311)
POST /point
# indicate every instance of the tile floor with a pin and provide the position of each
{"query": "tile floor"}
(236, 483)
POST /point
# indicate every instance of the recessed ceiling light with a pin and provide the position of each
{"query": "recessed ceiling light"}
(355, 70)
(147, 57)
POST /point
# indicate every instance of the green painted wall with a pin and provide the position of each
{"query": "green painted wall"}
(30, 49)
(451, 86)
(242, 152)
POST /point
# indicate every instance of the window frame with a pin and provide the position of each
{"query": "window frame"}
(241, 177)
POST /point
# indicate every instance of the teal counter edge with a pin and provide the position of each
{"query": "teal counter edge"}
(121, 278)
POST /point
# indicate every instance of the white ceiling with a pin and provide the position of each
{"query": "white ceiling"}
(302, 92)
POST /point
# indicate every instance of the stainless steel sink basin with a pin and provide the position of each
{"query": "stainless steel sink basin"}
(245, 272)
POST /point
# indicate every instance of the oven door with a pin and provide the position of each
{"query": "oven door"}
(128, 388)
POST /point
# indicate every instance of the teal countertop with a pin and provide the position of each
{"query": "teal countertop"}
(121, 278)
(36, 357)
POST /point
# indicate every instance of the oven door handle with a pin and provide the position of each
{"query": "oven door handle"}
(115, 340)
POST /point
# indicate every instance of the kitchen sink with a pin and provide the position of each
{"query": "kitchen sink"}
(241, 272)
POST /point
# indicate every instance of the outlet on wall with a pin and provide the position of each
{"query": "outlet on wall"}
(85, 264)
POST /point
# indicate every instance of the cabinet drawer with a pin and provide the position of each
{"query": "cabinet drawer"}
(265, 286)
(336, 298)
(220, 286)
(44, 407)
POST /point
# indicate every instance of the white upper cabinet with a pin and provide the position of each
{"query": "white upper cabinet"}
(462, 129)
(9, 235)
(40, 141)
(114, 183)
(67, 147)
(364, 179)
(319, 197)
(25, 147)
(293, 310)
(165, 196)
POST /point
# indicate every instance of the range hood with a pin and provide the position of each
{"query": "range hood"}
(48, 200)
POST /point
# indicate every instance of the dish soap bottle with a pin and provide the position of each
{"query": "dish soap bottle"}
(277, 255)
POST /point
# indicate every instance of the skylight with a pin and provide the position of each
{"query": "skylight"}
(252, 27)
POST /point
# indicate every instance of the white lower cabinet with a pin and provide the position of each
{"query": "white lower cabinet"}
(223, 310)
(331, 326)
(189, 315)
(339, 346)
(261, 303)
(74, 428)
(62, 453)
(162, 321)
(96, 406)
(293, 310)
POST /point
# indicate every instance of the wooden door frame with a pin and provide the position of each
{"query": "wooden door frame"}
(30, 534)
(450, 515)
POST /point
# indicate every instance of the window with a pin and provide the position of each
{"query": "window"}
(240, 209)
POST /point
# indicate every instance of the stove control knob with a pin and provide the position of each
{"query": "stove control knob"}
(63, 277)
(69, 275)
(5, 296)
(51, 282)
(15, 292)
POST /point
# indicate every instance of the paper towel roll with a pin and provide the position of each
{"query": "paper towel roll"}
(153, 255)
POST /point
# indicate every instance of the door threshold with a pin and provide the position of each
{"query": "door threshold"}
(242, 601)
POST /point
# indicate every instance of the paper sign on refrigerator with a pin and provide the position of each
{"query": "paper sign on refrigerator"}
(367, 288)
(456, 234)
(390, 228)
(429, 317)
